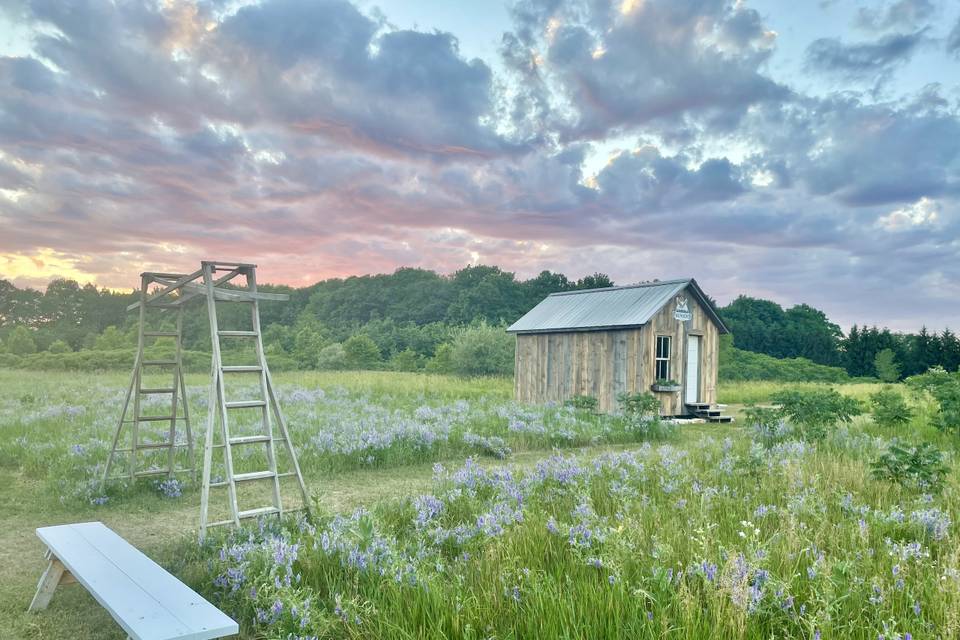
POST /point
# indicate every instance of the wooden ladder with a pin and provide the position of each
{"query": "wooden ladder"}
(220, 407)
(179, 411)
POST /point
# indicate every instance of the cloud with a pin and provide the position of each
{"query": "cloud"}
(644, 139)
(953, 40)
(863, 60)
(657, 63)
(903, 14)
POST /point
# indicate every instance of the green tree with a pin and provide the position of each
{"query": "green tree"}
(406, 360)
(361, 352)
(20, 342)
(59, 346)
(111, 338)
(886, 366)
(483, 350)
(332, 357)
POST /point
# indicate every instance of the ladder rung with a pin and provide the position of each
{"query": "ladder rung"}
(161, 334)
(219, 523)
(248, 439)
(159, 362)
(151, 446)
(158, 390)
(157, 418)
(254, 475)
(238, 334)
(253, 513)
(245, 404)
(157, 472)
(241, 368)
(288, 474)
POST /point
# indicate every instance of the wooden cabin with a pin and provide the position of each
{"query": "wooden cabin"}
(604, 342)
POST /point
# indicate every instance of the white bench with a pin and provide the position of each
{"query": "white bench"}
(148, 602)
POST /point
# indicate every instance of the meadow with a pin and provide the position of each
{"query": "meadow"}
(443, 509)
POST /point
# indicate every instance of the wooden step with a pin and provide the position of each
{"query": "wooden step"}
(242, 368)
(254, 475)
(159, 363)
(238, 334)
(157, 418)
(245, 404)
(249, 439)
(254, 513)
(158, 390)
(161, 334)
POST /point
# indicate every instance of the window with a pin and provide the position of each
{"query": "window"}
(662, 361)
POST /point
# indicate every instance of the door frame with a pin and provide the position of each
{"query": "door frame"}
(686, 364)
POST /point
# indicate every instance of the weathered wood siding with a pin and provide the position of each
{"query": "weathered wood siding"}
(554, 367)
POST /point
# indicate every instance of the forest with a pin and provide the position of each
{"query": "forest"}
(416, 319)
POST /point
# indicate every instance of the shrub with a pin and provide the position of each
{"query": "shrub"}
(816, 410)
(767, 424)
(584, 403)
(737, 364)
(59, 346)
(919, 466)
(361, 352)
(482, 350)
(20, 342)
(945, 389)
(406, 360)
(889, 409)
(442, 360)
(111, 339)
(641, 412)
(332, 357)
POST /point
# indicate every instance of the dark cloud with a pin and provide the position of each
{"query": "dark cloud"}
(863, 60)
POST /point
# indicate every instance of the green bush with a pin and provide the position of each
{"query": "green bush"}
(406, 360)
(583, 403)
(919, 466)
(945, 389)
(886, 366)
(111, 339)
(641, 412)
(482, 350)
(361, 352)
(20, 342)
(442, 360)
(766, 423)
(59, 346)
(817, 410)
(889, 409)
(332, 357)
(737, 364)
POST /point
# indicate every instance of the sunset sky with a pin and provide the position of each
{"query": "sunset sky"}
(801, 150)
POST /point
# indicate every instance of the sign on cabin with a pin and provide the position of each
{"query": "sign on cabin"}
(682, 311)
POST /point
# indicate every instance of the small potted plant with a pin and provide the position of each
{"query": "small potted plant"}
(668, 386)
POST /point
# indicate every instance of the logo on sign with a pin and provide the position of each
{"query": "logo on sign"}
(682, 311)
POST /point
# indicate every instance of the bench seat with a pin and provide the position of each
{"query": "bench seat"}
(147, 601)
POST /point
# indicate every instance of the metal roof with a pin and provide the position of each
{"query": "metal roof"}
(611, 307)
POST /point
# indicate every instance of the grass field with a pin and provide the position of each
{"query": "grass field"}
(442, 509)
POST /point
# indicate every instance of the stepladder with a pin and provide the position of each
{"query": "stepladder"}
(245, 424)
(249, 462)
(154, 428)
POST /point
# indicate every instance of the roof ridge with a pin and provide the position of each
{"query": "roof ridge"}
(638, 285)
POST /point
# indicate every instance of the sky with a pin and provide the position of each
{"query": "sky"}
(798, 151)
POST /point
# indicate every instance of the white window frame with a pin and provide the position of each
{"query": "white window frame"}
(665, 359)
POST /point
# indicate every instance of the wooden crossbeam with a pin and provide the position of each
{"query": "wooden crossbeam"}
(170, 288)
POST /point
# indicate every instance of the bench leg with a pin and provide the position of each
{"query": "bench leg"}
(48, 584)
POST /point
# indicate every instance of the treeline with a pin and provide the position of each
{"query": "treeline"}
(416, 319)
(763, 326)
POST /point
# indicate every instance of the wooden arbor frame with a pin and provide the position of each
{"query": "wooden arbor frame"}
(172, 292)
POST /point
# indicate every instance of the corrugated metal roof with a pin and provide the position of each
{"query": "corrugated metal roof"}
(593, 309)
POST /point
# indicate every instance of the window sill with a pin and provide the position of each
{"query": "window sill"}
(663, 388)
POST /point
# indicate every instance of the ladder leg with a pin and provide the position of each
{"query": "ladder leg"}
(266, 419)
(286, 439)
(144, 285)
(123, 416)
(208, 453)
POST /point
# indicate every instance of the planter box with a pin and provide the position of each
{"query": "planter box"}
(665, 388)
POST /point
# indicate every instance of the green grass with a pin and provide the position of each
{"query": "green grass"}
(700, 534)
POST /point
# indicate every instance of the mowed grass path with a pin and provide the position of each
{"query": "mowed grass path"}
(161, 527)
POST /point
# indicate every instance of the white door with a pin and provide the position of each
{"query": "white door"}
(692, 386)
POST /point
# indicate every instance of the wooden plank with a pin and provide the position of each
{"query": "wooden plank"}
(49, 581)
